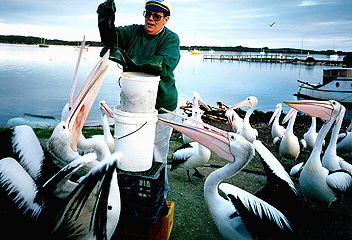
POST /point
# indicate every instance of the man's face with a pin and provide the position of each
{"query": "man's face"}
(152, 25)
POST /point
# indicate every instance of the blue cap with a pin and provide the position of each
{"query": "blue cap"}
(158, 5)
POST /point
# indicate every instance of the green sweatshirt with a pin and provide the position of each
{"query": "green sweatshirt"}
(154, 54)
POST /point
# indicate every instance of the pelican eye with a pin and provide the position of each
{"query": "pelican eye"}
(64, 127)
(109, 207)
(232, 137)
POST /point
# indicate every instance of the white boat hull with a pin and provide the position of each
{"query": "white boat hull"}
(326, 93)
(339, 89)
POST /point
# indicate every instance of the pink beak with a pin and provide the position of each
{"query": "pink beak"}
(105, 109)
(320, 109)
(244, 103)
(211, 137)
(82, 104)
(276, 112)
(290, 114)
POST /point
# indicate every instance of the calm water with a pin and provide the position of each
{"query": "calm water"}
(38, 80)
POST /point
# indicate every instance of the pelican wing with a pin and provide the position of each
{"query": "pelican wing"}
(274, 165)
(259, 217)
(22, 144)
(87, 205)
(59, 184)
(340, 180)
(297, 169)
(181, 154)
(19, 186)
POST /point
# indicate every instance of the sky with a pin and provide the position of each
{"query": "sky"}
(312, 24)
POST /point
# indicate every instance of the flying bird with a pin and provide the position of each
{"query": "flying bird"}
(271, 25)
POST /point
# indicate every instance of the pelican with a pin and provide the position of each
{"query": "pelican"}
(344, 141)
(67, 136)
(107, 136)
(30, 196)
(196, 113)
(311, 135)
(92, 209)
(241, 215)
(315, 181)
(330, 160)
(190, 156)
(235, 121)
(247, 131)
(277, 131)
(289, 146)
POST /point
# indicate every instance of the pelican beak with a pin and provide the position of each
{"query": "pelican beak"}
(105, 109)
(77, 116)
(320, 109)
(244, 103)
(230, 117)
(349, 128)
(276, 112)
(211, 137)
(201, 102)
(289, 115)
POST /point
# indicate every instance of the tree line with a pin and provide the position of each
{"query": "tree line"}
(15, 39)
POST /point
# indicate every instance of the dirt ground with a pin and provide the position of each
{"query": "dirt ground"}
(192, 221)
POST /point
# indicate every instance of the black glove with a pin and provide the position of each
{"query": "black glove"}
(106, 22)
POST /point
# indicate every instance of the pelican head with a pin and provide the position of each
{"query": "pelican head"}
(321, 109)
(69, 130)
(105, 109)
(223, 143)
(292, 113)
(250, 102)
(198, 101)
(277, 111)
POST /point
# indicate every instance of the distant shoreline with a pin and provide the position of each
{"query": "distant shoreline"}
(15, 39)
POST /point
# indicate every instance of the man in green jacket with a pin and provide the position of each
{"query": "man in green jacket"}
(151, 48)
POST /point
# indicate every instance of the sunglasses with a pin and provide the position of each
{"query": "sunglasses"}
(156, 17)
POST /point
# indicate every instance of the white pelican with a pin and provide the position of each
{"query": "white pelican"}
(196, 113)
(107, 136)
(67, 137)
(289, 146)
(190, 156)
(330, 159)
(247, 131)
(344, 141)
(235, 121)
(92, 209)
(277, 131)
(311, 135)
(315, 181)
(241, 215)
(30, 196)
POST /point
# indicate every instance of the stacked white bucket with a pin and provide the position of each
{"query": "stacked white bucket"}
(135, 120)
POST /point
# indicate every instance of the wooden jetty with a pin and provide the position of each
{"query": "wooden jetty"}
(271, 58)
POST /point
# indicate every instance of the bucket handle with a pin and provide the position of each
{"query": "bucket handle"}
(118, 138)
(119, 81)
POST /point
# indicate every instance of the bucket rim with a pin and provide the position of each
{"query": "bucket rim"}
(139, 76)
(135, 118)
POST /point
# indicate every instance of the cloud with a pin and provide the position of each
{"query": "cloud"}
(309, 3)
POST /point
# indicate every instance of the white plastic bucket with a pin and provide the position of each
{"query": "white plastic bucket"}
(134, 137)
(138, 92)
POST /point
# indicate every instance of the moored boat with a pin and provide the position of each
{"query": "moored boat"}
(337, 85)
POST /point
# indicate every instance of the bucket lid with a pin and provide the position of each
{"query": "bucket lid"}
(140, 76)
(134, 118)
